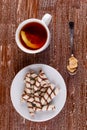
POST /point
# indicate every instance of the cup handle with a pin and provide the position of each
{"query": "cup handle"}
(47, 18)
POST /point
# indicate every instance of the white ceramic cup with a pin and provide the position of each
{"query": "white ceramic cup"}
(44, 22)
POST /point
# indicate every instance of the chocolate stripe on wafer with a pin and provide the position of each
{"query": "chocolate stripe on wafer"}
(37, 109)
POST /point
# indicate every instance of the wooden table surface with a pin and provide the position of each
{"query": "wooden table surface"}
(12, 59)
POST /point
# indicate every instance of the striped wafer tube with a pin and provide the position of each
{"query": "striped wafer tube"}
(37, 104)
(27, 76)
(47, 94)
(39, 79)
(28, 90)
(31, 108)
(30, 99)
(43, 89)
(36, 97)
(28, 85)
(53, 94)
(37, 109)
(27, 79)
(36, 86)
(44, 83)
(34, 75)
(43, 76)
(24, 97)
(37, 100)
(30, 77)
(48, 107)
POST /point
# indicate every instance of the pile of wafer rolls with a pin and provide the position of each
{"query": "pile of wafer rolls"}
(38, 92)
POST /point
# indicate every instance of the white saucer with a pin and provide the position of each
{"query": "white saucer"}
(17, 88)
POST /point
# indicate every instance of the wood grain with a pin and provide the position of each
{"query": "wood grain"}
(12, 59)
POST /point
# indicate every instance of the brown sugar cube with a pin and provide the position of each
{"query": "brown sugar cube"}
(73, 62)
(71, 69)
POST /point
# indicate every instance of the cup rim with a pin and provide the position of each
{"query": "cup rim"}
(19, 29)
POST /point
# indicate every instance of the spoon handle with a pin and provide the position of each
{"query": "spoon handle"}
(71, 26)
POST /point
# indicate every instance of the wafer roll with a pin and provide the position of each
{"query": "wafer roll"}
(32, 81)
(34, 75)
(48, 107)
(27, 79)
(47, 94)
(28, 90)
(43, 89)
(37, 109)
(30, 99)
(31, 108)
(24, 96)
(37, 104)
(42, 94)
(37, 86)
(27, 75)
(36, 97)
(53, 94)
(28, 85)
(39, 79)
(30, 77)
(36, 101)
(43, 76)
(43, 83)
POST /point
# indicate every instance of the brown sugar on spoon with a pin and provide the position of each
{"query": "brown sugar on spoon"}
(72, 64)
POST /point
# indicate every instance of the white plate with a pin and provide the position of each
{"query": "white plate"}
(17, 88)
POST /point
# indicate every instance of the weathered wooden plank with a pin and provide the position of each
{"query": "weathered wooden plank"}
(12, 59)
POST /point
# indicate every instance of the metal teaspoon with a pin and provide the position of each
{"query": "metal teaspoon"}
(72, 64)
